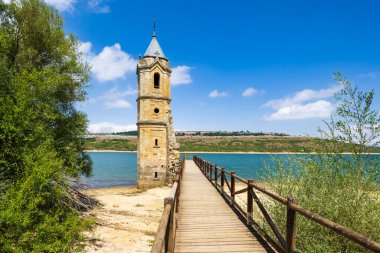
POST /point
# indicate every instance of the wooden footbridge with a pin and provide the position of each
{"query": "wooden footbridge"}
(202, 215)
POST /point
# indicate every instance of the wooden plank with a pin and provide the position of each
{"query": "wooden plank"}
(206, 223)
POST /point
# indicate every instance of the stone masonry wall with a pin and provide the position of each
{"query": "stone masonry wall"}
(173, 152)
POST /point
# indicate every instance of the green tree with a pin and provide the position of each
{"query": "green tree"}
(343, 188)
(42, 77)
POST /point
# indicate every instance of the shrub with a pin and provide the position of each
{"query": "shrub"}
(342, 188)
(41, 150)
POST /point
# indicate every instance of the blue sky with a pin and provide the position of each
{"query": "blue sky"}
(237, 65)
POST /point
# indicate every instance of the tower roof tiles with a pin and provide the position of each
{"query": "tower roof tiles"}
(154, 49)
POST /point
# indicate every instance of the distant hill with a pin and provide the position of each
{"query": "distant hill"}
(211, 133)
(206, 143)
(227, 133)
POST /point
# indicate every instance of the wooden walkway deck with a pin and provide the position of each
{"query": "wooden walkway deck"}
(206, 223)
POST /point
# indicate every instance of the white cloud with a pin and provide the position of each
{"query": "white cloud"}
(113, 63)
(110, 64)
(216, 93)
(181, 75)
(98, 6)
(318, 109)
(87, 102)
(371, 75)
(62, 5)
(250, 91)
(118, 103)
(85, 49)
(114, 98)
(108, 127)
(303, 105)
(116, 93)
(303, 96)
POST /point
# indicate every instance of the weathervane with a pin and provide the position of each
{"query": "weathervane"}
(154, 26)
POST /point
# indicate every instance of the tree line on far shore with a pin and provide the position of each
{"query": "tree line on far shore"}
(211, 133)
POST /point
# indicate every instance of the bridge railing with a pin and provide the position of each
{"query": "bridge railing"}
(218, 177)
(166, 232)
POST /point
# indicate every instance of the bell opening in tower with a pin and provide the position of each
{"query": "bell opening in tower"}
(156, 80)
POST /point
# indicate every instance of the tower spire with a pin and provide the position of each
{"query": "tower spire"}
(154, 27)
(154, 48)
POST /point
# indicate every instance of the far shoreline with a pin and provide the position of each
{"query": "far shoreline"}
(109, 151)
(217, 152)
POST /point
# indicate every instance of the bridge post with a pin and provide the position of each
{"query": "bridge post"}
(172, 230)
(249, 202)
(169, 243)
(290, 227)
(210, 167)
(222, 181)
(216, 174)
(232, 188)
(178, 191)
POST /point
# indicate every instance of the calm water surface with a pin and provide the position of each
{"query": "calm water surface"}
(112, 169)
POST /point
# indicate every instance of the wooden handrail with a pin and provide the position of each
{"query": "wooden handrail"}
(165, 235)
(162, 227)
(288, 244)
(267, 218)
(241, 179)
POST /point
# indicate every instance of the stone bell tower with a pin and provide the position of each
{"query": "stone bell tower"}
(153, 124)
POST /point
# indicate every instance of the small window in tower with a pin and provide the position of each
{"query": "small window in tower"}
(156, 142)
(155, 174)
(156, 80)
(156, 110)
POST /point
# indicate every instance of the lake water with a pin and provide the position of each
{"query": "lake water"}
(112, 169)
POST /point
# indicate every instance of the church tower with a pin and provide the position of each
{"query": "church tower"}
(153, 113)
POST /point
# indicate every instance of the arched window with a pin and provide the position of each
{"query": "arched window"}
(156, 80)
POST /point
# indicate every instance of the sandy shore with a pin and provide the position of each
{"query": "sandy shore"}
(127, 220)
